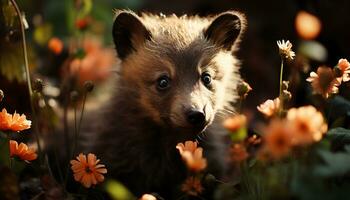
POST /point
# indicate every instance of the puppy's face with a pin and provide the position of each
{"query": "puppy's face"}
(180, 83)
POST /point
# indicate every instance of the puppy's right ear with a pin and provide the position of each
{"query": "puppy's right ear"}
(128, 33)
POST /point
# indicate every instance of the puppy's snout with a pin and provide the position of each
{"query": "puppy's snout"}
(195, 117)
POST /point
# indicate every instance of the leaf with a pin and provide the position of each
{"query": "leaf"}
(4, 151)
(118, 191)
(339, 137)
(336, 164)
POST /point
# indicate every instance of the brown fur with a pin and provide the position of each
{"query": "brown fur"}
(136, 133)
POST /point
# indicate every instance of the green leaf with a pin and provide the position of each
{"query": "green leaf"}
(339, 137)
(4, 151)
(118, 191)
(335, 164)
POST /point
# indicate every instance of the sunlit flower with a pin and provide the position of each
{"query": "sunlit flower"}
(344, 70)
(277, 137)
(22, 151)
(192, 186)
(324, 82)
(13, 122)
(192, 155)
(238, 153)
(307, 124)
(88, 171)
(55, 45)
(234, 123)
(148, 197)
(95, 65)
(285, 49)
(270, 107)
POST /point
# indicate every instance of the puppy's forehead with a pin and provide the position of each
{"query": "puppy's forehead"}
(187, 59)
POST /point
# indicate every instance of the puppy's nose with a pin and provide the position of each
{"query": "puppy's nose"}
(196, 118)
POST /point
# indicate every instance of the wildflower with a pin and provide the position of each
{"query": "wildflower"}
(87, 170)
(307, 25)
(96, 63)
(270, 107)
(22, 151)
(342, 70)
(192, 186)
(285, 49)
(238, 153)
(307, 124)
(55, 45)
(278, 138)
(243, 88)
(323, 82)
(234, 123)
(192, 155)
(148, 197)
(13, 122)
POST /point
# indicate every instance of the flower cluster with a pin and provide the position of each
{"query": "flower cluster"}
(325, 81)
(302, 126)
(192, 155)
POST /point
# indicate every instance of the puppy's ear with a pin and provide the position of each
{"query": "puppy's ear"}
(128, 33)
(225, 29)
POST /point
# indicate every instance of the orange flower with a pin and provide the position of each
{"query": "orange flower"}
(87, 171)
(192, 186)
(97, 63)
(269, 107)
(324, 82)
(238, 153)
(192, 155)
(234, 123)
(344, 69)
(148, 197)
(13, 122)
(307, 124)
(22, 151)
(278, 138)
(55, 45)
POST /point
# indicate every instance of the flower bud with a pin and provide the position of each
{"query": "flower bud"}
(38, 85)
(74, 96)
(89, 86)
(243, 88)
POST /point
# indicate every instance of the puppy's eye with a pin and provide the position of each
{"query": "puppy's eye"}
(163, 83)
(206, 79)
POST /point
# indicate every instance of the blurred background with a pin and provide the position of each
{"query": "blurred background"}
(70, 41)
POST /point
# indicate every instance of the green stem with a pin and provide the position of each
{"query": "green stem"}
(280, 91)
(281, 77)
(25, 56)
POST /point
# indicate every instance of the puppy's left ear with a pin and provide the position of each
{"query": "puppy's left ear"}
(225, 29)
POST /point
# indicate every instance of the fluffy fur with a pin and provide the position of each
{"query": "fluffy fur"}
(136, 131)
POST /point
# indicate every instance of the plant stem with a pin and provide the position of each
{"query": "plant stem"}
(26, 65)
(281, 77)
